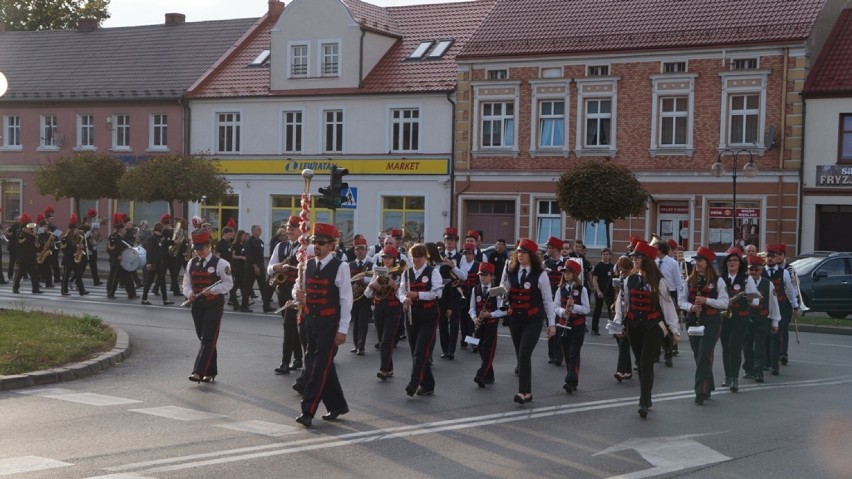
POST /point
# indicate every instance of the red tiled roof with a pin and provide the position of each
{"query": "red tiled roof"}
(393, 74)
(544, 27)
(832, 71)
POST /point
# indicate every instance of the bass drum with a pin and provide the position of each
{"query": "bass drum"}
(133, 258)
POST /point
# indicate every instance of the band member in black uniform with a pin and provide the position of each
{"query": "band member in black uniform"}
(116, 244)
(53, 260)
(205, 284)
(238, 266)
(256, 271)
(12, 245)
(788, 302)
(327, 296)
(26, 250)
(735, 319)
(624, 366)
(46, 240)
(451, 298)
(553, 263)
(177, 244)
(469, 267)
(602, 287)
(487, 312)
(764, 316)
(571, 305)
(530, 305)
(283, 266)
(498, 258)
(73, 246)
(131, 236)
(704, 298)
(647, 306)
(419, 293)
(361, 309)
(387, 313)
(155, 264)
(92, 229)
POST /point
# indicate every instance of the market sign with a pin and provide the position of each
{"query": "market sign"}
(728, 212)
(289, 166)
(833, 175)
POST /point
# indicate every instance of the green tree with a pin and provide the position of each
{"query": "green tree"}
(87, 175)
(29, 15)
(600, 190)
(175, 178)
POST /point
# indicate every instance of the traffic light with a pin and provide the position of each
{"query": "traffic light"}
(332, 196)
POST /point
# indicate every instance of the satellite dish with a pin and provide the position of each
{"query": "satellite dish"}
(3, 85)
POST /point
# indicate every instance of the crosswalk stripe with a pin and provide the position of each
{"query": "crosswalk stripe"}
(17, 465)
(179, 413)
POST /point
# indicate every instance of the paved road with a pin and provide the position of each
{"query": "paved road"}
(143, 419)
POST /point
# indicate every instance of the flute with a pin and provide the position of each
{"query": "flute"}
(200, 293)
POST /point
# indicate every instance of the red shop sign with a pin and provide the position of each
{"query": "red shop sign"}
(674, 210)
(741, 212)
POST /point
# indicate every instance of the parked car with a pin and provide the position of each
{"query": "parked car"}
(825, 280)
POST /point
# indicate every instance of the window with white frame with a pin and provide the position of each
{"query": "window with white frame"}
(85, 131)
(405, 129)
(299, 60)
(498, 125)
(121, 132)
(333, 131)
(743, 109)
(330, 59)
(598, 122)
(158, 132)
(674, 121)
(49, 133)
(672, 111)
(594, 234)
(11, 131)
(228, 132)
(501, 74)
(597, 70)
(744, 64)
(551, 124)
(743, 117)
(292, 131)
(674, 67)
(548, 220)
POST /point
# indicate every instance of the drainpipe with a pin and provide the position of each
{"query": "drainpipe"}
(361, 58)
(452, 158)
(802, 188)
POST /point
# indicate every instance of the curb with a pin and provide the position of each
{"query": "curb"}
(119, 352)
(810, 328)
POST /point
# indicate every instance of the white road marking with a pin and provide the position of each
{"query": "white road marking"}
(121, 476)
(667, 454)
(17, 465)
(260, 427)
(832, 345)
(92, 399)
(44, 391)
(179, 413)
(241, 454)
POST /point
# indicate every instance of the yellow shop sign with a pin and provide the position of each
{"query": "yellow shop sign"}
(427, 166)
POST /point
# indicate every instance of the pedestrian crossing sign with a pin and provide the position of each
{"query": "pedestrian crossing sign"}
(350, 198)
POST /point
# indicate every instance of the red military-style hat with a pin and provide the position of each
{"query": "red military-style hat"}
(390, 251)
(755, 260)
(468, 248)
(200, 238)
(634, 239)
(451, 233)
(486, 268)
(396, 233)
(72, 223)
(25, 218)
(472, 234)
(324, 230)
(644, 249)
(705, 253)
(232, 223)
(673, 244)
(555, 242)
(166, 218)
(782, 249)
(773, 249)
(48, 212)
(40, 218)
(572, 265)
(359, 242)
(91, 213)
(734, 251)
(294, 221)
(528, 245)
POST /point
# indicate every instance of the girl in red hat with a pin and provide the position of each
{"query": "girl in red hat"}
(572, 306)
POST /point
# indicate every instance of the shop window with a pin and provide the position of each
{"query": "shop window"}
(727, 228)
(408, 212)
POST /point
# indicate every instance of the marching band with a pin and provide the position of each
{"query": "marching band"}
(443, 292)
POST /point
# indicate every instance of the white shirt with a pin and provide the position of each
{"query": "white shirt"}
(223, 270)
(671, 271)
(497, 313)
(280, 254)
(720, 302)
(434, 293)
(577, 308)
(667, 306)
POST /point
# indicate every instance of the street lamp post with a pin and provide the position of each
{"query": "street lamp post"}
(749, 170)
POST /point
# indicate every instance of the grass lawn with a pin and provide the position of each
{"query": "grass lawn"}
(32, 340)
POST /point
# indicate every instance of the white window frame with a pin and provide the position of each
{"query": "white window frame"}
(81, 135)
(743, 82)
(291, 46)
(595, 225)
(341, 136)
(665, 86)
(549, 91)
(394, 123)
(157, 125)
(120, 132)
(490, 92)
(598, 65)
(501, 118)
(49, 132)
(12, 133)
(235, 134)
(300, 126)
(322, 56)
(498, 73)
(559, 216)
(734, 59)
(596, 88)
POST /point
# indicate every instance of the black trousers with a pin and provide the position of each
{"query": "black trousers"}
(207, 316)
(703, 348)
(645, 340)
(624, 364)
(571, 342)
(248, 285)
(487, 347)
(173, 266)
(778, 341)
(291, 347)
(390, 318)
(118, 274)
(92, 261)
(53, 265)
(72, 269)
(554, 350)
(448, 328)
(319, 375)
(28, 267)
(361, 314)
(12, 262)
(525, 334)
(158, 275)
(607, 299)
(734, 330)
(754, 347)
(421, 339)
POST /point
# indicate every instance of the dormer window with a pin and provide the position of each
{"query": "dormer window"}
(597, 70)
(501, 74)
(420, 50)
(261, 60)
(440, 49)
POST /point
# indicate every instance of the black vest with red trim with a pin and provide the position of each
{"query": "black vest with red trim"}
(553, 273)
(777, 279)
(354, 269)
(203, 276)
(739, 307)
(708, 290)
(525, 303)
(472, 277)
(322, 296)
(761, 309)
(290, 274)
(576, 294)
(481, 303)
(422, 310)
(390, 300)
(644, 304)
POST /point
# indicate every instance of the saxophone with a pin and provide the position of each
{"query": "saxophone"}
(46, 250)
(81, 249)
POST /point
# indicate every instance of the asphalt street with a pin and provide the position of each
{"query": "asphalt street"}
(143, 419)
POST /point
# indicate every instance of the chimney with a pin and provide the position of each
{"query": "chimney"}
(175, 18)
(87, 24)
(275, 7)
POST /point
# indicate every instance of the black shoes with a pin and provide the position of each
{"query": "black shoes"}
(383, 375)
(146, 302)
(451, 356)
(267, 308)
(166, 303)
(784, 360)
(84, 292)
(297, 364)
(282, 369)
(305, 420)
(569, 388)
(774, 372)
(669, 361)
(208, 379)
(595, 333)
(410, 390)
(245, 310)
(700, 398)
(299, 389)
(425, 392)
(643, 411)
(195, 377)
(727, 382)
(521, 399)
(758, 379)
(479, 381)
(748, 376)
(357, 351)
(332, 415)
(735, 385)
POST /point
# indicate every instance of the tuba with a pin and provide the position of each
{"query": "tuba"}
(178, 239)
(655, 240)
